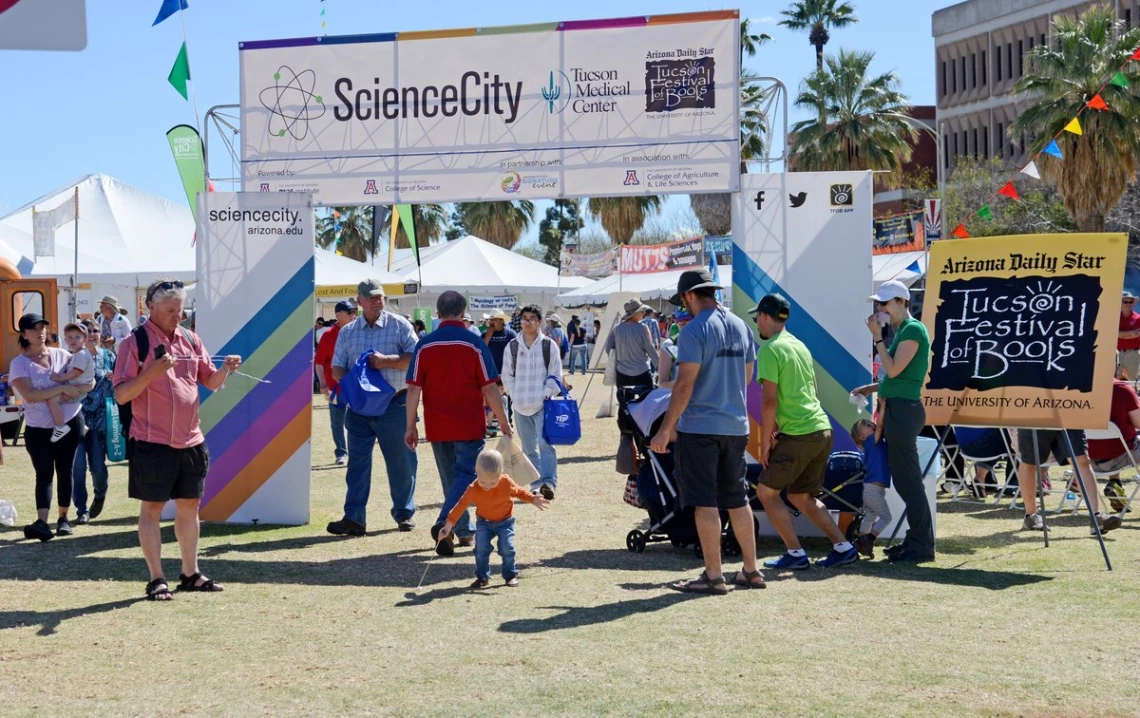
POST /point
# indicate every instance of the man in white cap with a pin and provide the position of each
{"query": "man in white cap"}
(114, 326)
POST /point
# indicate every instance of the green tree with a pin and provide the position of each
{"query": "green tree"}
(562, 220)
(430, 221)
(500, 223)
(818, 17)
(861, 123)
(455, 227)
(347, 230)
(1061, 77)
(971, 187)
(622, 216)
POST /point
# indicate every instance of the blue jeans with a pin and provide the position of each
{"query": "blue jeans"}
(456, 463)
(91, 451)
(336, 419)
(579, 350)
(485, 531)
(540, 453)
(401, 464)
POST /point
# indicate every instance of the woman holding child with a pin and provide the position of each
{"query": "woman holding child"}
(902, 415)
(32, 376)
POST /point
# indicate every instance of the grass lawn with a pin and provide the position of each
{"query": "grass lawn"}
(319, 625)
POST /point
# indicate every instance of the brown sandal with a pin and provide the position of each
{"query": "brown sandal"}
(702, 584)
(747, 579)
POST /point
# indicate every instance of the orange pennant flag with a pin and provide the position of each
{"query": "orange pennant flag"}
(1010, 191)
(960, 232)
(1097, 103)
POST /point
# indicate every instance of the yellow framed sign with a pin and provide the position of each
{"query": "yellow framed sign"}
(1023, 330)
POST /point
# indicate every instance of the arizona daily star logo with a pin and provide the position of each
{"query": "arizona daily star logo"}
(474, 94)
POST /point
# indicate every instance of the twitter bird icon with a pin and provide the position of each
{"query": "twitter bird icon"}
(798, 200)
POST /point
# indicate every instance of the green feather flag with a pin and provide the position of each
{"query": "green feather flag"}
(180, 73)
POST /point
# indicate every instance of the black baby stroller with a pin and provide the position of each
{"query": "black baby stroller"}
(842, 490)
(640, 411)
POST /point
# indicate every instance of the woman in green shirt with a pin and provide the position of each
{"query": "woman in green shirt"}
(905, 364)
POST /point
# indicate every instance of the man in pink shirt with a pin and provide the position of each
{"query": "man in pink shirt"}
(170, 459)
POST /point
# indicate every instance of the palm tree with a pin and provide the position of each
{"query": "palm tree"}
(1060, 78)
(862, 122)
(820, 16)
(430, 221)
(347, 230)
(622, 216)
(714, 211)
(500, 223)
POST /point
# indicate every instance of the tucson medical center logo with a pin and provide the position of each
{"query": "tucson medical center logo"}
(584, 90)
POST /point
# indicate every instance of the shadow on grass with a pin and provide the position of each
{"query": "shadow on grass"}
(578, 616)
(585, 459)
(49, 621)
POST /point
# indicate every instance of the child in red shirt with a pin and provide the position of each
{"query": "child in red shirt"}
(492, 493)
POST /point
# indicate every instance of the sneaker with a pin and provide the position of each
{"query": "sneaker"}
(1114, 491)
(96, 507)
(480, 583)
(865, 543)
(342, 461)
(63, 527)
(82, 518)
(466, 541)
(1033, 522)
(838, 558)
(59, 432)
(345, 527)
(788, 562)
(897, 548)
(38, 530)
(547, 492)
(406, 525)
(513, 581)
(1107, 522)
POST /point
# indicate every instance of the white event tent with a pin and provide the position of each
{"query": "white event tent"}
(900, 266)
(655, 286)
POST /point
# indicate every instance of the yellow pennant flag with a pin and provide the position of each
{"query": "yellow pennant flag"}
(1074, 126)
(392, 237)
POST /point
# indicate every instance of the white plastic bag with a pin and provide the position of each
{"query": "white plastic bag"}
(7, 513)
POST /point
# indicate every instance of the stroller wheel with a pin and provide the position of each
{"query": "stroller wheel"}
(729, 546)
(635, 541)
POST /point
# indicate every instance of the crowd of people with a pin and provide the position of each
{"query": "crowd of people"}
(468, 381)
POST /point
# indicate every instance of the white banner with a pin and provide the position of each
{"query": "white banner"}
(645, 105)
(485, 304)
(45, 223)
(254, 297)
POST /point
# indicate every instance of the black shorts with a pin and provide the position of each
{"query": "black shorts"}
(1049, 441)
(710, 470)
(159, 472)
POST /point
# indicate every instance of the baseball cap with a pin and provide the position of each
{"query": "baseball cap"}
(370, 288)
(693, 279)
(73, 327)
(774, 305)
(346, 306)
(31, 321)
(892, 289)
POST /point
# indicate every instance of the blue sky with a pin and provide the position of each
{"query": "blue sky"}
(107, 109)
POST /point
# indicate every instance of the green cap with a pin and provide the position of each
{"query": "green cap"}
(370, 288)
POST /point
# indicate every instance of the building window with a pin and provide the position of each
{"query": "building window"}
(1128, 19)
(1001, 140)
(963, 73)
(997, 62)
(945, 151)
(986, 142)
(955, 144)
(945, 89)
(1020, 58)
(1043, 39)
(1009, 60)
(953, 76)
(973, 70)
(983, 68)
(966, 142)
(975, 132)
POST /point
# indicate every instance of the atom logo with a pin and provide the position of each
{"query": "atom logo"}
(288, 102)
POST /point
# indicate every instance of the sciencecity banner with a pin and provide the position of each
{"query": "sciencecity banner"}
(644, 105)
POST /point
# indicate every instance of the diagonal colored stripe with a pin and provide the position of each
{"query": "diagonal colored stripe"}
(274, 313)
(297, 328)
(693, 17)
(261, 469)
(517, 29)
(827, 352)
(253, 407)
(228, 458)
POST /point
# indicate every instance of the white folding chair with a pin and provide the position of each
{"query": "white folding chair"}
(970, 479)
(1112, 433)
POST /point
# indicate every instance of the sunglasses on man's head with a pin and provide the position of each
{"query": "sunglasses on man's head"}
(164, 287)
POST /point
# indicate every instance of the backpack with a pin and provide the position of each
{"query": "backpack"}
(142, 341)
(514, 347)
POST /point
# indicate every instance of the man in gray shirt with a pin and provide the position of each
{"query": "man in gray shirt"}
(633, 348)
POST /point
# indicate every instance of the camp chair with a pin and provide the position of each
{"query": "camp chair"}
(1112, 433)
(949, 455)
(1049, 462)
(971, 477)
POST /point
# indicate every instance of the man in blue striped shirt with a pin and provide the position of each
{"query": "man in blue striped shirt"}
(390, 339)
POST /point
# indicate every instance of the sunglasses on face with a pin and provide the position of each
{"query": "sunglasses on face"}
(531, 320)
(164, 287)
(1129, 301)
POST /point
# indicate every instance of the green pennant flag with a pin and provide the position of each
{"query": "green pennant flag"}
(985, 212)
(409, 225)
(180, 73)
(1119, 80)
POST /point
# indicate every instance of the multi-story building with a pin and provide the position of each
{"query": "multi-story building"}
(980, 50)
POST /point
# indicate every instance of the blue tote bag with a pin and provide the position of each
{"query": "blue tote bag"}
(561, 425)
(364, 389)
